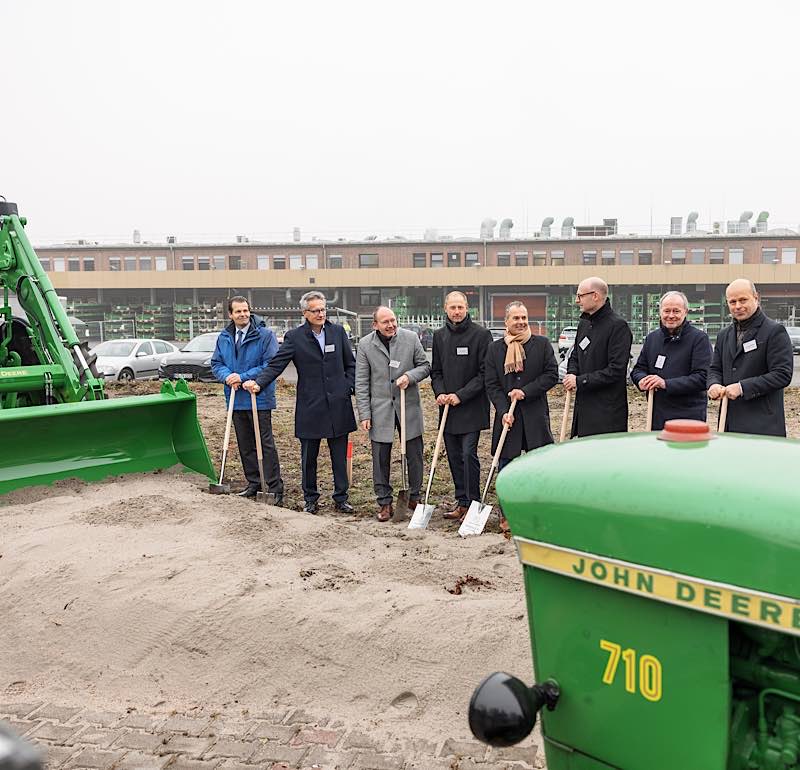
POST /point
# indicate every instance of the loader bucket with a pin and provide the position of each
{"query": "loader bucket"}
(95, 439)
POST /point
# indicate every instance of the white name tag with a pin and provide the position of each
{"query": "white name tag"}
(660, 362)
(584, 343)
(750, 345)
(394, 364)
(330, 348)
(462, 351)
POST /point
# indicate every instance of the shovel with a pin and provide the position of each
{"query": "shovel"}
(220, 488)
(266, 497)
(401, 509)
(723, 414)
(478, 512)
(648, 426)
(423, 512)
(565, 418)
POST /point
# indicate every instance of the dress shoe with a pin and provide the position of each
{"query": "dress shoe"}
(457, 514)
(344, 507)
(249, 491)
(278, 500)
(311, 507)
(413, 502)
(385, 512)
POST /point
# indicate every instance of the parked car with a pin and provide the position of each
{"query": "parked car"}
(498, 333)
(794, 336)
(425, 334)
(131, 359)
(562, 365)
(192, 361)
(566, 339)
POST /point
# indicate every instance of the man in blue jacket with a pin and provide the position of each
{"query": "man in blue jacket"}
(325, 366)
(243, 350)
(674, 364)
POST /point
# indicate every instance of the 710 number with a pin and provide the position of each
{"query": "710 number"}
(649, 670)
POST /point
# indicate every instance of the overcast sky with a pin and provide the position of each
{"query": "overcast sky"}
(206, 120)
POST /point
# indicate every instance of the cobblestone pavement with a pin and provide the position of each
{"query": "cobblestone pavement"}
(279, 739)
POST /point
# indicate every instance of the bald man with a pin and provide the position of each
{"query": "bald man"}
(597, 371)
(752, 365)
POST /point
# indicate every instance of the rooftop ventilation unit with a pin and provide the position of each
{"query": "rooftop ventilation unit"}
(171, 239)
(675, 225)
(546, 223)
(487, 229)
(242, 239)
(431, 234)
(691, 222)
(505, 229)
(296, 235)
(761, 222)
(567, 226)
(137, 237)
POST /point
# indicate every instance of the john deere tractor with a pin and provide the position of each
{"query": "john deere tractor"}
(56, 420)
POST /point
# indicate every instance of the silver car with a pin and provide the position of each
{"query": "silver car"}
(131, 359)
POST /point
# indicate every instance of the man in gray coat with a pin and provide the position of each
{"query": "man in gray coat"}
(390, 360)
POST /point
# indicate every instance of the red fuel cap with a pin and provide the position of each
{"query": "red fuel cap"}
(686, 430)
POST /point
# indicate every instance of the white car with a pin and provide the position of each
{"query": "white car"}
(566, 339)
(562, 365)
(131, 359)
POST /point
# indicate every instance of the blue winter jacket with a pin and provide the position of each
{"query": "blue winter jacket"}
(256, 351)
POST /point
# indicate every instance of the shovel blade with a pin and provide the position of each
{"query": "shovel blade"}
(267, 498)
(475, 520)
(401, 508)
(422, 516)
(219, 489)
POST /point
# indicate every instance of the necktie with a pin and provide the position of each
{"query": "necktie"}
(239, 335)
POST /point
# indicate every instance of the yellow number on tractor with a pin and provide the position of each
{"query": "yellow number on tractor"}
(649, 670)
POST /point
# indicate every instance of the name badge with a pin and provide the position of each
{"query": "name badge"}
(750, 345)
(584, 343)
(462, 351)
(394, 364)
(330, 348)
(660, 362)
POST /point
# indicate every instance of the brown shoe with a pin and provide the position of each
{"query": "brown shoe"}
(457, 514)
(385, 512)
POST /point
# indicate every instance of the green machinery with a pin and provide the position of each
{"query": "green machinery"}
(663, 595)
(55, 419)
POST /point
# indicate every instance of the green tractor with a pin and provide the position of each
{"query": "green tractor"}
(56, 420)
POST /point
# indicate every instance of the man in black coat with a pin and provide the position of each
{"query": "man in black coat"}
(520, 367)
(326, 369)
(459, 351)
(752, 365)
(597, 371)
(674, 364)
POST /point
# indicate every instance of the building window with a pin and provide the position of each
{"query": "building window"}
(437, 259)
(130, 264)
(73, 265)
(521, 258)
(161, 264)
(420, 260)
(114, 264)
(204, 263)
(735, 256)
(88, 264)
(589, 257)
(625, 257)
(716, 256)
(789, 256)
(368, 260)
(698, 256)
(769, 255)
(218, 260)
(45, 261)
(279, 263)
(295, 262)
(503, 258)
(645, 257)
(146, 263)
(187, 263)
(312, 261)
(335, 261)
(454, 259)
(59, 265)
(679, 256)
(262, 260)
(608, 257)
(557, 258)
(539, 258)
(370, 297)
(471, 259)
(235, 262)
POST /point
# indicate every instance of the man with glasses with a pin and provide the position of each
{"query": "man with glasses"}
(674, 364)
(597, 371)
(323, 358)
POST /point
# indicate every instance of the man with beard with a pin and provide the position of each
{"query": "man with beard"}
(674, 364)
(457, 373)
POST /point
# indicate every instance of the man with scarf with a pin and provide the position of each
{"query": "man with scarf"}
(752, 365)
(457, 372)
(674, 364)
(597, 371)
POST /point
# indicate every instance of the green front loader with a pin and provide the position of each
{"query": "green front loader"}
(56, 420)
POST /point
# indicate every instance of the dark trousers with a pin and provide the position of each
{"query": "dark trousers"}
(506, 460)
(381, 469)
(246, 438)
(462, 456)
(309, 451)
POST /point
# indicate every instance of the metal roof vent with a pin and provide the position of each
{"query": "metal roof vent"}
(487, 229)
(545, 231)
(675, 225)
(431, 234)
(137, 237)
(567, 226)
(691, 222)
(296, 235)
(761, 222)
(505, 229)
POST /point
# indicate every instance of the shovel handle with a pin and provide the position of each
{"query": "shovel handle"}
(227, 438)
(402, 421)
(496, 458)
(436, 450)
(723, 414)
(565, 417)
(259, 451)
(650, 398)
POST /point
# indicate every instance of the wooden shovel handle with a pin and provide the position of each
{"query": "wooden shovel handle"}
(227, 438)
(565, 417)
(723, 414)
(650, 398)
(436, 450)
(402, 421)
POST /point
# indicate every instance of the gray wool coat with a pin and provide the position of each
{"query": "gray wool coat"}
(377, 397)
